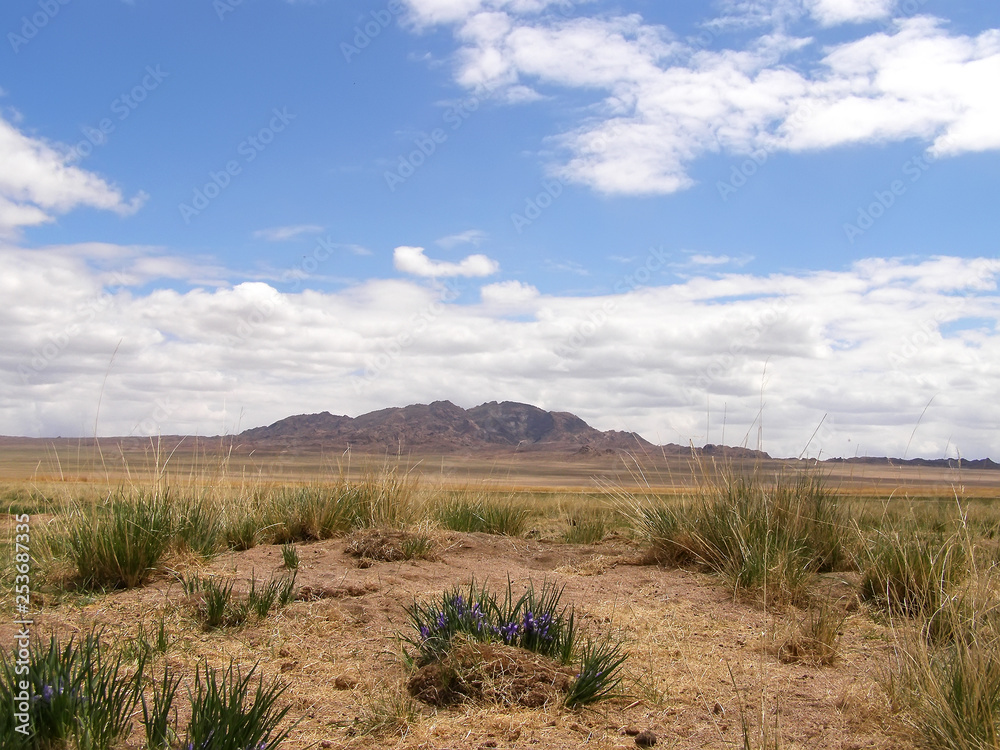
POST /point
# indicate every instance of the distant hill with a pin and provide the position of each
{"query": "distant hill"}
(939, 463)
(444, 427)
(498, 428)
(507, 426)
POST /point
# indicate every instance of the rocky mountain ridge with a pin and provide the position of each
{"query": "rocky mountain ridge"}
(442, 426)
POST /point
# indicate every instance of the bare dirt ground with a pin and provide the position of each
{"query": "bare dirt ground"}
(701, 665)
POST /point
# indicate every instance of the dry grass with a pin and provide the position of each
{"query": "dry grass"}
(705, 669)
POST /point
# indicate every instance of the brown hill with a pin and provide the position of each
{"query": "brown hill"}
(444, 427)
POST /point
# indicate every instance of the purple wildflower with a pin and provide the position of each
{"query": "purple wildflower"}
(509, 632)
(477, 616)
(529, 623)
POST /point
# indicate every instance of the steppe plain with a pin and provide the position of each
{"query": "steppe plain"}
(711, 663)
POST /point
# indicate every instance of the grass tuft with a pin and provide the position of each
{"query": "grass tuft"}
(289, 557)
(587, 527)
(483, 511)
(77, 696)
(816, 639)
(217, 605)
(119, 544)
(907, 570)
(385, 710)
(764, 537)
(229, 712)
(600, 672)
(198, 527)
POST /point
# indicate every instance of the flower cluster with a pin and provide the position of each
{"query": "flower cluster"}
(508, 632)
(472, 617)
(456, 616)
(49, 692)
(539, 627)
(532, 621)
(527, 630)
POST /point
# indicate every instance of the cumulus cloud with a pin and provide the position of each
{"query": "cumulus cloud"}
(869, 347)
(412, 260)
(662, 103)
(38, 180)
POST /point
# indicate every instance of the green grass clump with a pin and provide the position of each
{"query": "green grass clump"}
(219, 607)
(310, 513)
(910, 571)
(243, 529)
(146, 643)
(586, 527)
(600, 676)
(230, 712)
(119, 544)
(159, 716)
(417, 546)
(484, 512)
(770, 537)
(76, 697)
(290, 557)
(946, 673)
(379, 498)
(199, 527)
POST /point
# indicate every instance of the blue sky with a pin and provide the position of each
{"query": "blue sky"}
(733, 221)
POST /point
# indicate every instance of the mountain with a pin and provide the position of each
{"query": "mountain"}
(444, 427)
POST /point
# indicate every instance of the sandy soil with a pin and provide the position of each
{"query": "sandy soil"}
(698, 659)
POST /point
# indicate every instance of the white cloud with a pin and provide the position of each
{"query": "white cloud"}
(833, 12)
(710, 260)
(356, 249)
(412, 260)
(468, 237)
(281, 234)
(661, 103)
(919, 82)
(869, 346)
(509, 295)
(38, 180)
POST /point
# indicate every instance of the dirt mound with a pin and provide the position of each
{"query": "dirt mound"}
(491, 673)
